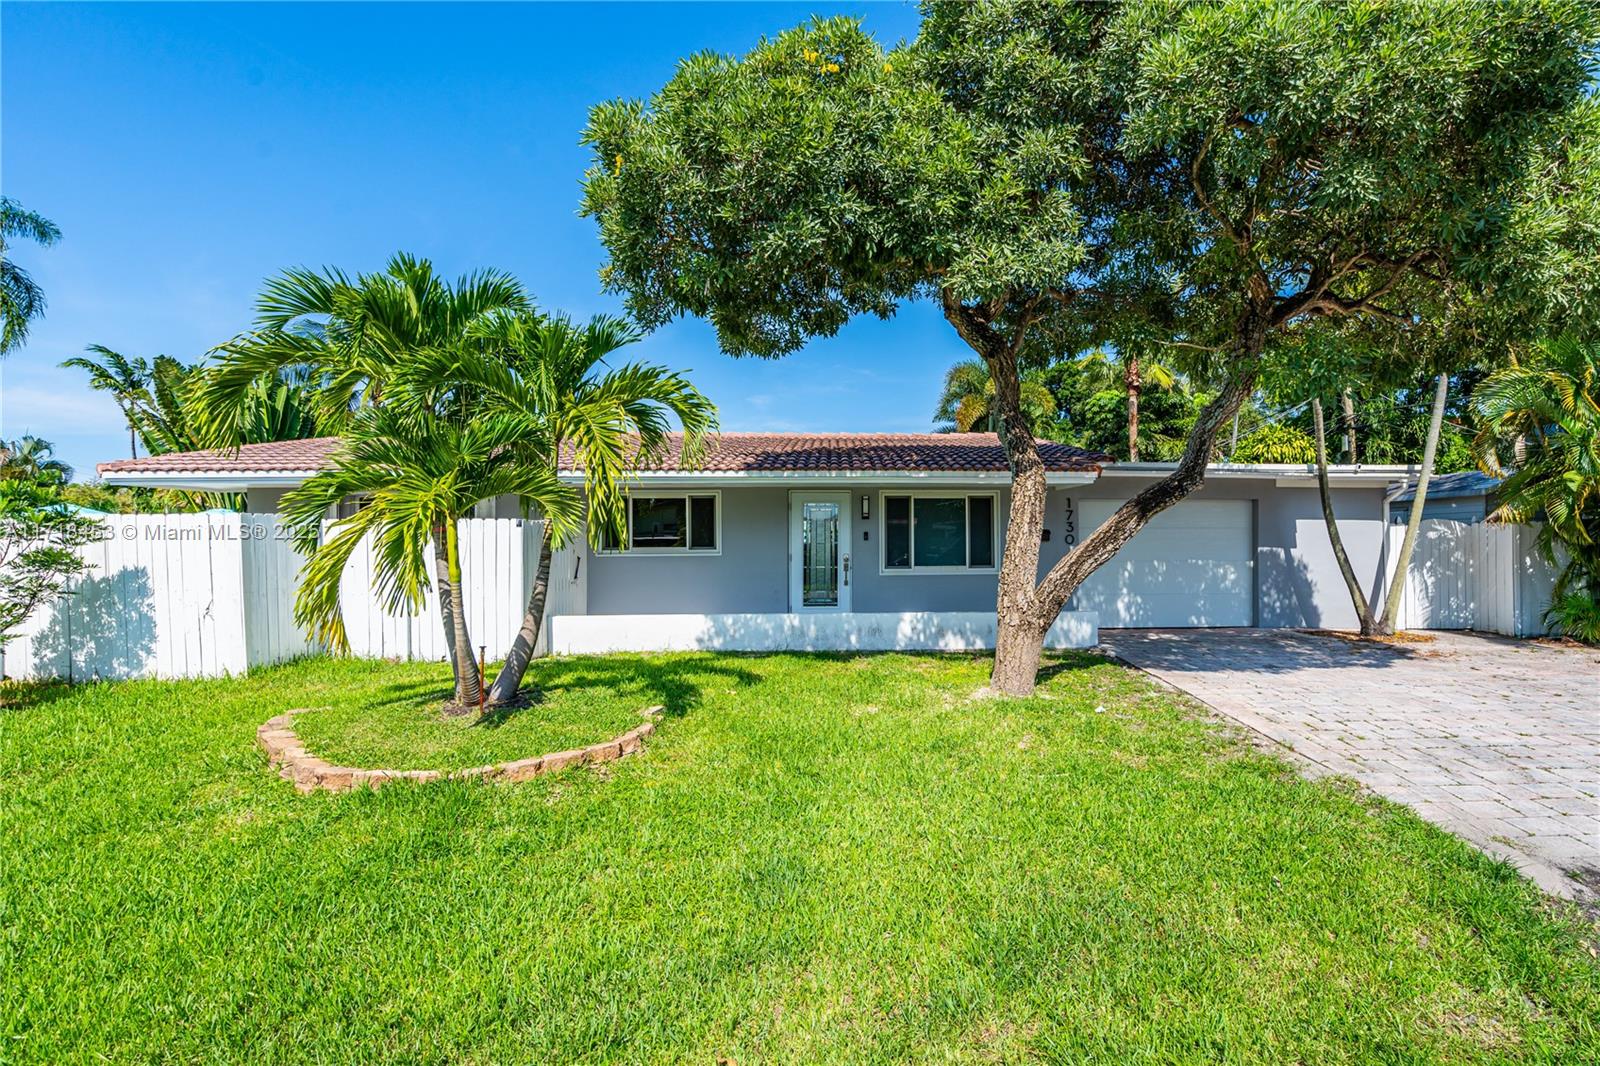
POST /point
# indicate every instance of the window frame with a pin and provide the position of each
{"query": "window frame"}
(686, 495)
(966, 531)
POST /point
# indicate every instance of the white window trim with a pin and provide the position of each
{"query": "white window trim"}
(946, 494)
(665, 494)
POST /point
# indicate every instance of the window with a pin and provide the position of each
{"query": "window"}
(928, 531)
(670, 525)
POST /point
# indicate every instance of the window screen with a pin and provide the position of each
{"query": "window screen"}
(897, 532)
(703, 522)
(660, 522)
(940, 531)
(980, 531)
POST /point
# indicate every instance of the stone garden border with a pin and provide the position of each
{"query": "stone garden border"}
(308, 773)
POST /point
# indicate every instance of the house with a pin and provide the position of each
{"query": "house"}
(895, 540)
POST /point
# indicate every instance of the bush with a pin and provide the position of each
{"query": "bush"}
(1575, 615)
(1276, 444)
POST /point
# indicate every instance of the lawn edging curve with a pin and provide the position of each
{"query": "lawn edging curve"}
(308, 773)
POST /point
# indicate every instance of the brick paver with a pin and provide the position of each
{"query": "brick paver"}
(1496, 740)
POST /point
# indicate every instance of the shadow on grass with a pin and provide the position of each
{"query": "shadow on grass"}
(24, 695)
(675, 684)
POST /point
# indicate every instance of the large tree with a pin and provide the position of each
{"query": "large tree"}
(1204, 177)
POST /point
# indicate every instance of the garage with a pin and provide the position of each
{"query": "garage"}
(1193, 565)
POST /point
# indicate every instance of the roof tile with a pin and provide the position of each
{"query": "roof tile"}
(727, 453)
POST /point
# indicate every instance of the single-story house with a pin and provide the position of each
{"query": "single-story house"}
(907, 530)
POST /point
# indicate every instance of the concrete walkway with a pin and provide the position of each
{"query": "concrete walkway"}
(1496, 740)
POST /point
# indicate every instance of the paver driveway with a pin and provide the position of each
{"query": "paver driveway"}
(1496, 740)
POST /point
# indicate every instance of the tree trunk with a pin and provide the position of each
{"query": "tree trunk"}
(441, 569)
(1349, 405)
(1391, 607)
(1133, 383)
(133, 440)
(1019, 639)
(1026, 608)
(509, 680)
(1233, 443)
(1357, 597)
(469, 684)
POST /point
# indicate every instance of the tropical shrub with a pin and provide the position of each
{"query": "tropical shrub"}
(1541, 433)
(1276, 444)
(1576, 615)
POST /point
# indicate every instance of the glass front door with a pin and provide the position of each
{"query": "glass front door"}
(819, 551)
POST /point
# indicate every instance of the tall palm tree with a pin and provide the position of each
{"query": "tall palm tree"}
(422, 462)
(348, 333)
(1127, 370)
(21, 299)
(127, 380)
(1540, 420)
(551, 372)
(33, 459)
(967, 402)
(161, 400)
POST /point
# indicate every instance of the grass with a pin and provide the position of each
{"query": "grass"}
(396, 723)
(815, 860)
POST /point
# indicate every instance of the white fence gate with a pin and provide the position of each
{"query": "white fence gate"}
(213, 594)
(1483, 575)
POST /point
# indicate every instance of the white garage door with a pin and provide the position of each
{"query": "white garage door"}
(1191, 566)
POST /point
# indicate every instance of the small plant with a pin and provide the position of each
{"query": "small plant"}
(1575, 615)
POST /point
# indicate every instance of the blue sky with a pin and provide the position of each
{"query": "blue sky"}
(189, 151)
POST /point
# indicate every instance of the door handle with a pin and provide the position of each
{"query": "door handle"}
(846, 569)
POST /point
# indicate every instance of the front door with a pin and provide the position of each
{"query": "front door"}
(819, 551)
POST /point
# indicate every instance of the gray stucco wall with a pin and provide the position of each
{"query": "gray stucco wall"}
(263, 501)
(1297, 581)
(751, 575)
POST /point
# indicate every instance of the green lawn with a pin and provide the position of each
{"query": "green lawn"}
(814, 860)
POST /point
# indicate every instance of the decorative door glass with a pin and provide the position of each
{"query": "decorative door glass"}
(819, 539)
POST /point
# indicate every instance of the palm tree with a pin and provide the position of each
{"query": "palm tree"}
(1540, 421)
(421, 462)
(127, 380)
(21, 299)
(550, 372)
(33, 459)
(160, 401)
(1125, 369)
(347, 333)
(967, 403)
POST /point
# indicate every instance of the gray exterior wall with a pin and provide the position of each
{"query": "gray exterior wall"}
(750, 575)
(1297, 581)
(263, 501)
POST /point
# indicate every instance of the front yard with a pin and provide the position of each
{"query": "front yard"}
(814, 859)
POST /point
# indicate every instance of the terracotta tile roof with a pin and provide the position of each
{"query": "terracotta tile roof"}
(284, 456)
(729, 453)
(861, 452)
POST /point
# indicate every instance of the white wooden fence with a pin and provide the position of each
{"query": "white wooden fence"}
(213, 594)
(1483, 575)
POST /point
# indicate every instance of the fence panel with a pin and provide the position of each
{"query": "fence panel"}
(271, 578)
(1483, 575)
(163, 597)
